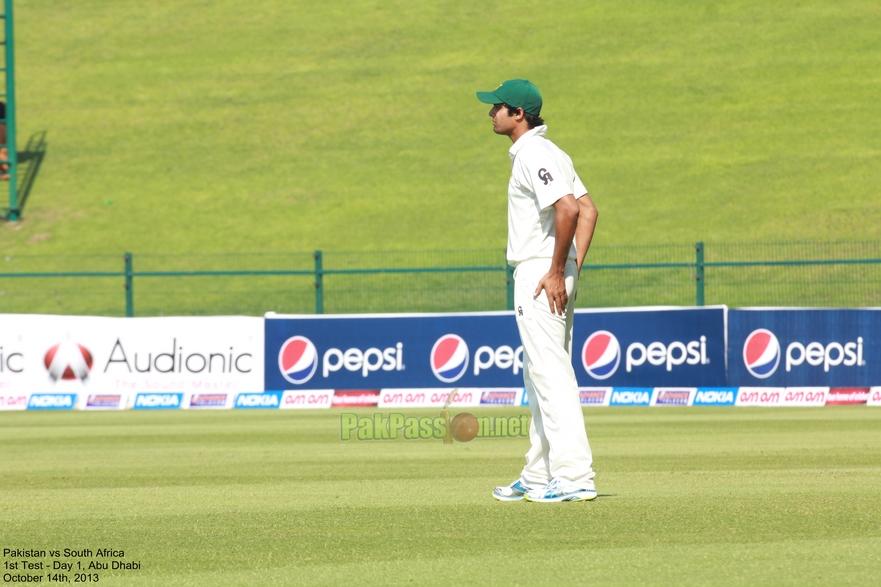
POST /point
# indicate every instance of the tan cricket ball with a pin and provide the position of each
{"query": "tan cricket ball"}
(464, 427)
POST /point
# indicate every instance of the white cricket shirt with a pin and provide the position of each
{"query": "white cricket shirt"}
(541, 174)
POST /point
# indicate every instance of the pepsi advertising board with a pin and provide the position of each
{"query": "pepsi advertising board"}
(650, 347)
(393, 351)
(640, 347)
(804, 347)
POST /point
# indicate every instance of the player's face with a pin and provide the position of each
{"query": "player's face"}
(503, 123)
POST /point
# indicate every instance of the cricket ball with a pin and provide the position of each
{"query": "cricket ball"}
(464, 427)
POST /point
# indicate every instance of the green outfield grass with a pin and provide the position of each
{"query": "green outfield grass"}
(184, 126)
(691, 496)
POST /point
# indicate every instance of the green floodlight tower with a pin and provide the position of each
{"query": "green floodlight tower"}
(14, 211)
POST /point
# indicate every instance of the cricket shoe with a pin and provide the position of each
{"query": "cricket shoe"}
(513, 492)
(559, 490)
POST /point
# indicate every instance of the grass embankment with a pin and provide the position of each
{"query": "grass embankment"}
(192, 127)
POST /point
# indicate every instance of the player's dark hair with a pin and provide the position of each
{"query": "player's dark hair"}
(532, 120)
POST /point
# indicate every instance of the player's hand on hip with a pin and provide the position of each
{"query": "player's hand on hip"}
(555, 287)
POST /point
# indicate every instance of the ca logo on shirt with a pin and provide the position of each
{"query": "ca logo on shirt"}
(545, 176)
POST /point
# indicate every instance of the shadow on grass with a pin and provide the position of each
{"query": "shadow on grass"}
(28, 164)
(31, 159)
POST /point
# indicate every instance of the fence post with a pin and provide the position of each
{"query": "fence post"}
(129, 291)
(319, 284)
(509, 273)
(11, 145)
(699, 274)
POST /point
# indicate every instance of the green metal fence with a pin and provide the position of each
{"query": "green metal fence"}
(7, 71)
(845, 274)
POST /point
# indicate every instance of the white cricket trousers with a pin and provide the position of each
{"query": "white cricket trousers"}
(559, 441)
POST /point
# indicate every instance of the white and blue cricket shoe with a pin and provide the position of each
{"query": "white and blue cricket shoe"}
(559, 490)
(513, 492)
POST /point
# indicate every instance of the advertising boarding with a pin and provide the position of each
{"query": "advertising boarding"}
(97, 363)
(644, 347)
(804, 347)
(393, 351)
(650, 347)
(656, 356)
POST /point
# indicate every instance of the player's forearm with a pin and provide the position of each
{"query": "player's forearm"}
(587, 221)
(565, 225)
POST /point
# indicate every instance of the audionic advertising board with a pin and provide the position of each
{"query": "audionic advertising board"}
(103, 360)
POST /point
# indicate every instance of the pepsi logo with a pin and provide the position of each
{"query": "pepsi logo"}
(601, 354)
(761, 353)
(298, 359)
(449, 358)
(68, 361)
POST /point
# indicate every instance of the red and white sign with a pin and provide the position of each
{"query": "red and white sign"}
(502, 397)
(208, 400)
(874, 397)
(103, 401)
(673, 396)
(428, 398)
(805, 397)
(100, 356)
(68, 360)
(782, 396)
(355, 398)
(14, 401)
(847, 396)
(315, 399)
(592, 396)
(760, 396)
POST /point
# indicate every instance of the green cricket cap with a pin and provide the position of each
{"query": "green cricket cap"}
(517, 93)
